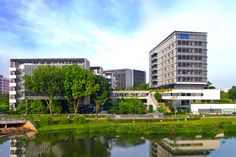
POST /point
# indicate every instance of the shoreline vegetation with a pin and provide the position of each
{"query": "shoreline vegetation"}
(102, 124)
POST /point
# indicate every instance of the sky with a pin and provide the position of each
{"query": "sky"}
(116, 33)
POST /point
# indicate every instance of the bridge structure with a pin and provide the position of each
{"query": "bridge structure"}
(6, 123)
(148, 96)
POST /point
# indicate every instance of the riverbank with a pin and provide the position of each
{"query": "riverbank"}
(102, 124)
(200, 126)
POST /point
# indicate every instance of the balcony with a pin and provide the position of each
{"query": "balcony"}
(12, 76)
(12, 69)
(12, 92)
(12, 101)
(12, 84)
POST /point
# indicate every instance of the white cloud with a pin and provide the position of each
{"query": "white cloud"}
(72, 36)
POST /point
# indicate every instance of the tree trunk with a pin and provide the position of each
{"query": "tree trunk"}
(49, 103)
(76, 105)
(97, 106)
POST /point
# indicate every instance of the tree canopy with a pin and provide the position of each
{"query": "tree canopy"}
(45, 81)
(102, 94)
(128, 106)
(4, 103)
(78, 84)
(232, 93)
(142, 86)
(158, 96)
(209, 85)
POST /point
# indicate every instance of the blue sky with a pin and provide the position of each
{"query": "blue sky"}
(116, 33)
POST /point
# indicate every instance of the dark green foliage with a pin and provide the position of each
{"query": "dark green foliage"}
(30, 107)
(101, 96)
(150, 109)
(158, 96)
(209, 85)
(128, 106)
(47, 81)
(79, 119)
(232, 93)
(56, 107)
(224, 97)
(78, 84)
(4, 104)
(23, 107)
(36, 107)
(142, 86)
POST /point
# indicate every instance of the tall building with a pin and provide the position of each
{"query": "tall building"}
(4, 85)
(21, 67)
(179, 61)
(127, 78)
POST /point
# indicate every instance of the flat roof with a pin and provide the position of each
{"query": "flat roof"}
(175, 32)
(23, 60)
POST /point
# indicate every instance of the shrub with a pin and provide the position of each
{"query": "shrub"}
(79, 119)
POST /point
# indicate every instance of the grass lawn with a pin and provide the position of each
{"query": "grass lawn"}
(206, 126)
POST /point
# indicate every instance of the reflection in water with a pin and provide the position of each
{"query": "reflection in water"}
(69, 144)
(182, 147)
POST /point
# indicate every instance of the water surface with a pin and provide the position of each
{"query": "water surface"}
(70, 144)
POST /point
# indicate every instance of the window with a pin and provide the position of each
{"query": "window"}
(179, 42)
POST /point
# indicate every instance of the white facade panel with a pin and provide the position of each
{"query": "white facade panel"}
(12, 84)
(222, 108)
(12, 92)
(185, 94)
(12, 76)
(13, 69)
(12, 101)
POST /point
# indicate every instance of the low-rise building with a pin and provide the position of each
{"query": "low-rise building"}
(199, 108)
(127, 78)
(21, 67)
(4, 85)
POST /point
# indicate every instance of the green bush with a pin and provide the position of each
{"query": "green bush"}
(128, 106)
(79, 119)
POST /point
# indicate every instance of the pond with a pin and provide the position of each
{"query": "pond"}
(70, 144)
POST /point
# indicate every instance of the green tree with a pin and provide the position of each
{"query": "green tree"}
(101, 96)
(46, 81)
(142, 86)
(78, 84)
(232, 93)
(37, 106)
(224, 97)
(4, 103)
(128, 106)
(23, 107)
(158, 96)
(209, 85)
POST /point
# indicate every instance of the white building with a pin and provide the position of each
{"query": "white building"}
(183, 98)
(21, 67)
(213, 108)
(179, 61)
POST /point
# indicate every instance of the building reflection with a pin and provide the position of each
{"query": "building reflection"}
(72, 145)
(180, 147)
